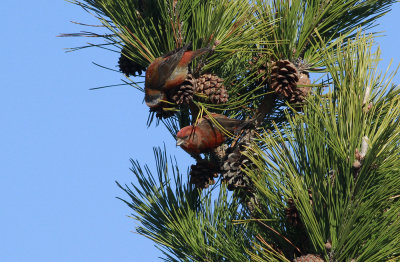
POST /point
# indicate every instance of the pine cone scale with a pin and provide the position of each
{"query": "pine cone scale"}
(213, 87)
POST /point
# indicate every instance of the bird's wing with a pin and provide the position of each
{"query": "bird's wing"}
(229, 124)
(221, 122)
(168, 65)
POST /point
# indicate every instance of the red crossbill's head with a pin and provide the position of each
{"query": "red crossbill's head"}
(200, 139)
(184, 135)
(186, 138)
(153, 98)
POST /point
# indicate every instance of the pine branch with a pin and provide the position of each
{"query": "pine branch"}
(320, 176)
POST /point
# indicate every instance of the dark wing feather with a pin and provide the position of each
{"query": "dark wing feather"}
(231, 125)
(168, 66)
(188, 46)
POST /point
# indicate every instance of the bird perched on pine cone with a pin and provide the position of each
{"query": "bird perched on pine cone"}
(168, 71)
(209, 133)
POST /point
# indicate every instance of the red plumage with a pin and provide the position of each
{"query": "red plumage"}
(207, 134)
(168, 71)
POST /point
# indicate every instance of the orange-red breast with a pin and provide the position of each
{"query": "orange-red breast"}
(207, 135)
(168, 71)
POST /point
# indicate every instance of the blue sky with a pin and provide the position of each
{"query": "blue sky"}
(63, 146)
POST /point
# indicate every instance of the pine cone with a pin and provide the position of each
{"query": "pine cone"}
(202, 174)
(183, 94)
(292, 214)
(128, 66)
(284, 76)
(301, 92)
(309, 258)
(213, 87)
(232, 168)
(161, 113)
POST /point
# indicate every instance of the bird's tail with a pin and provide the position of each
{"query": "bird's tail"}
(182, 49)
(201, 51)
(233, 126)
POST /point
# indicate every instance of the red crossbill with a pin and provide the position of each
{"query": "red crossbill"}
(168, 71)
(208, 135)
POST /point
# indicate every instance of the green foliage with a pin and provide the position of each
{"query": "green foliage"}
(296, 23)
(184, 221)
(336, 162)
(353, 208)
(152, 28)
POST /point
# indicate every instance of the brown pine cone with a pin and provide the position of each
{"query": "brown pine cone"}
(301, 92)
(183, 94)
(202, 174)
(213, 88)
(284, 76)
(232, 168)
(128, 66)
(309, 258)
(292, 214)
